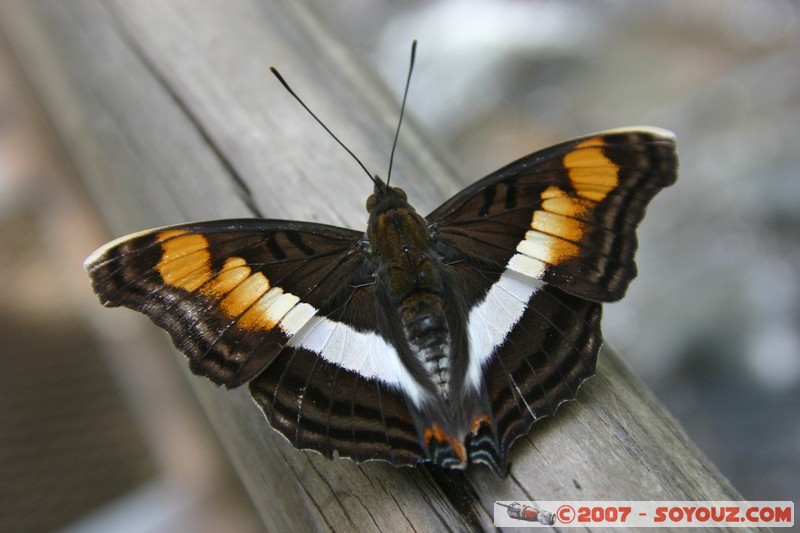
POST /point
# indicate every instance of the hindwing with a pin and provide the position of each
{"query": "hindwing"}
(319, 405)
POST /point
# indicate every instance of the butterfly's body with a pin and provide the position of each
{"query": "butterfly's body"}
(439, 338)
(410, 276)
(420, 298)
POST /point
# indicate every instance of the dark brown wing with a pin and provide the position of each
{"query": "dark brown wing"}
(542, 362)
(534, 247)
(232, 293)
(291, 301)
(318, 405)
(568, 214)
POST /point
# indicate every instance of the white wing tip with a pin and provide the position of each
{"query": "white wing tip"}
(652, 130)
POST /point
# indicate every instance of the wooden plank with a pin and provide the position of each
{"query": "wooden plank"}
(169, 113)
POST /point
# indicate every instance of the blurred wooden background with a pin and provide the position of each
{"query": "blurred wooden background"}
(711, 323)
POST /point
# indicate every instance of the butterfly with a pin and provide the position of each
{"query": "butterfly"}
(437, 339)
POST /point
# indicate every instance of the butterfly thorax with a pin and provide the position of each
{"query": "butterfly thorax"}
(411, 273)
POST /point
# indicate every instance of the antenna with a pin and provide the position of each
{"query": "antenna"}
(286, 86)
(402, 109)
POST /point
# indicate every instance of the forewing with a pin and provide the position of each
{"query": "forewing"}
(566, 215)
(233, 293)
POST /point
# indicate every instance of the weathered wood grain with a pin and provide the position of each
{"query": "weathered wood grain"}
(169, 113)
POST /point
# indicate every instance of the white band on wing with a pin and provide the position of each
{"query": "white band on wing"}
(363, 352)
(492, 320)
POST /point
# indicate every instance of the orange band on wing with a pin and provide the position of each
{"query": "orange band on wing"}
(186, 264)
(592, 174)
(185, 261)
(560, 222)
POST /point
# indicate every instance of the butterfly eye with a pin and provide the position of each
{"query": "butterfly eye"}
(400, 192)
(370, 202)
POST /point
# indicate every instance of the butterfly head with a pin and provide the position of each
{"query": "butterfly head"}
(385, 198)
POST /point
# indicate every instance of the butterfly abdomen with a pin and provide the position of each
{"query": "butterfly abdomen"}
(425, 328)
